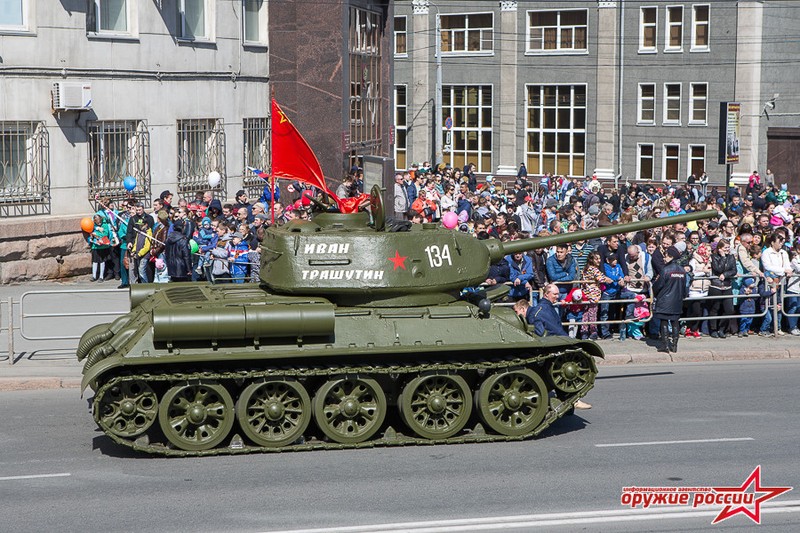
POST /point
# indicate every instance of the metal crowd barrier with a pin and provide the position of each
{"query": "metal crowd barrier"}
(25, 316)
(649, 301)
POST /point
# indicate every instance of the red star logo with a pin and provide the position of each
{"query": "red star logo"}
(753, 479)
(398, 260)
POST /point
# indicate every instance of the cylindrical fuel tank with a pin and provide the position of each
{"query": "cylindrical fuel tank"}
(242, 322)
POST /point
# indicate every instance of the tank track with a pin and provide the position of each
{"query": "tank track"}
(558, 406)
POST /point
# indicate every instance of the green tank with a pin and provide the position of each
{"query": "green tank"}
(356, 337)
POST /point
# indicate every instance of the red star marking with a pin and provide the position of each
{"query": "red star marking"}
(398, 260)
(753, 479)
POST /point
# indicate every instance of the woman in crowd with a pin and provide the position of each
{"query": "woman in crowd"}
(723, 272)
(698, 289)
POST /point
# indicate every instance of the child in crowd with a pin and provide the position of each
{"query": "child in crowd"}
(206, 240)
(161, 275)
(100, 242)
(641, 312)
(219, 262)
(611, 291)
(238, 253)
(575, 303)
(747, 306)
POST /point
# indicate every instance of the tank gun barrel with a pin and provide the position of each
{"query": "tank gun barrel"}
(498, 249)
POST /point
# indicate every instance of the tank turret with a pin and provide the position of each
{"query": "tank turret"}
(350, 262)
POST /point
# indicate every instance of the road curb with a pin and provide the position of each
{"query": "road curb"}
(38, 383)
(694, 356)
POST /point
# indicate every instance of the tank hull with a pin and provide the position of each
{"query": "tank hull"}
(354, 376)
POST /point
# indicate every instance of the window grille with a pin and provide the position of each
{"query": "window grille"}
(118, 149)
(256, 153)
(24, 169)
(366, 118)
(201, 150)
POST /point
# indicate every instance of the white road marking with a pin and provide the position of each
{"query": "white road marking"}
(36, 476)
(655, 443)
(541, 520)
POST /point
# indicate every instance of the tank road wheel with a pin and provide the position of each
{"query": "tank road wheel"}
(513, 403)
(350, 409)
(571, 372)
(196, 415)
(127, 409)
(436, 406)
(274, 413)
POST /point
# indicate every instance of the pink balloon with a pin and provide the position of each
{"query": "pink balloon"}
(450, 220)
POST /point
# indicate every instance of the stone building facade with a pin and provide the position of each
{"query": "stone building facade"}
(628, 90)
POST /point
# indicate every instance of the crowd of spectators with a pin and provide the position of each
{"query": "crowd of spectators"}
(734, 263)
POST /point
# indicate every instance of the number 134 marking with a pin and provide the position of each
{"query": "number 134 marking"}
(437, 256)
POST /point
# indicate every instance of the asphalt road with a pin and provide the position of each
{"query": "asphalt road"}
(737, 415)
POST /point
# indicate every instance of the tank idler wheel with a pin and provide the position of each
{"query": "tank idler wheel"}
(274, 413)
(127, 409)
(513, 403)
(571, 372)
(436, 406)
(350, 409)
(196, 415)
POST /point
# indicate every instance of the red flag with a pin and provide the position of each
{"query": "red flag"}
(351, 205)
(292, 157)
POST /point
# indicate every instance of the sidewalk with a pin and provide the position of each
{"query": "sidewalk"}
(51, 364)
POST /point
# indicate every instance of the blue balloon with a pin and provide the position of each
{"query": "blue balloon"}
(129, 183)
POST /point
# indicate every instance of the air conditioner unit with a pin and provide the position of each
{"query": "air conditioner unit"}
(72, 96)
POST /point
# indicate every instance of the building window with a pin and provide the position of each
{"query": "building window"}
(556, 129)
(700, 25)
(255, 22)
(698, 103)
(401, 127)
(697, 159)
(118, 149)
(557, 31)
(470, 107)
(674, 29)
(400, 44)
(647, 103)
(111, 16)
(467, 33)
(645, 161)
(201, 150)
(194, 19)
(672, 153)
(14, 15)
(648, 29)
(672, 103)
(24, 169)
(366, 120)
(255, 143)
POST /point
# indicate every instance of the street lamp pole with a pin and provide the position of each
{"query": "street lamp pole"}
(437, 123)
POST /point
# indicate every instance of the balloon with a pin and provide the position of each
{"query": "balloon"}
(193, 245)
(87, 224)
(450, 220)
(214, 178)
(129, 183)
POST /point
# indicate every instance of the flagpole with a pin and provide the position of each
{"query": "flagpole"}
(271, 147)
(272, 199)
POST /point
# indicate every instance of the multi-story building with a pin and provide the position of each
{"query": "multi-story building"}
(169, 92)
(92, 92)
(625, 89)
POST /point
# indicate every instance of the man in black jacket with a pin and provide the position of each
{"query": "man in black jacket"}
(670, 290)
(177, 253)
